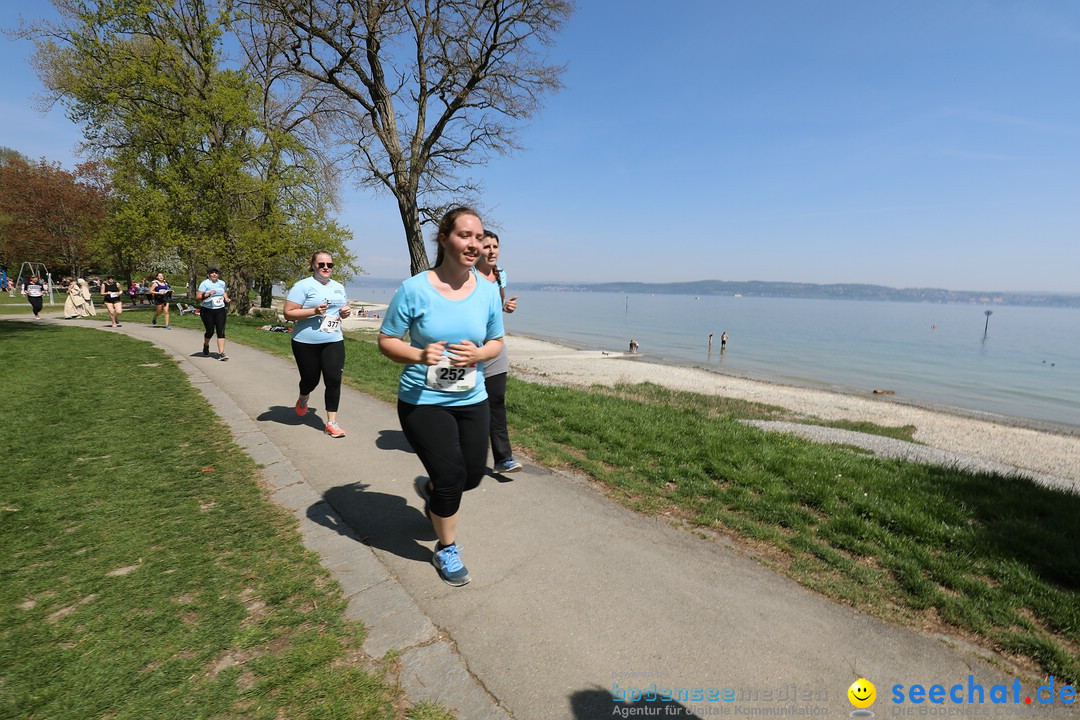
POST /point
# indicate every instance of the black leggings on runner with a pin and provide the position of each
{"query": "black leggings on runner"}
(500, 437)
(35, 304)
(213, 319)
(452, 443)
(326, 359)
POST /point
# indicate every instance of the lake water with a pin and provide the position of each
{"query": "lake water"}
(1028, 365)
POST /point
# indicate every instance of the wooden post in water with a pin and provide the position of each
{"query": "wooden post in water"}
(986, 327)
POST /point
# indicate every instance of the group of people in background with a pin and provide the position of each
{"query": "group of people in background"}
(80, 301)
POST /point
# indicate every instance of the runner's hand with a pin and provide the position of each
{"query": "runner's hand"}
(433, 353)
(464, 354)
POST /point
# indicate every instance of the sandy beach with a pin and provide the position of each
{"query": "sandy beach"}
(1029, 450)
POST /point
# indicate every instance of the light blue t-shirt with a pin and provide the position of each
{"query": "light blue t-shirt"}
(426, 316)
(218, 299)
(501, 364)
(309, 293)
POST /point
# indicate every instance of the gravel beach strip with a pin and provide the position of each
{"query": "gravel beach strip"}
(892, 448)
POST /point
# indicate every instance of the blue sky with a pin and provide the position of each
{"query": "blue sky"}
(911, 144)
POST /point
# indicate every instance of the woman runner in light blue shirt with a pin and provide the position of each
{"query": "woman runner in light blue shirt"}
(213, 296)
(454, 323)
(317, 305)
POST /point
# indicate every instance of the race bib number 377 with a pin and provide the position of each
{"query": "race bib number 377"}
(330, 323)
(451, 379)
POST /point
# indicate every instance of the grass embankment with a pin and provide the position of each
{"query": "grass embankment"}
(990, 558)
(143, 573)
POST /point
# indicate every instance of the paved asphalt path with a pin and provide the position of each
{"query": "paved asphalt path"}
(574, 600)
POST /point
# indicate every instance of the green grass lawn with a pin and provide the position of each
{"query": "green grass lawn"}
(143, 572)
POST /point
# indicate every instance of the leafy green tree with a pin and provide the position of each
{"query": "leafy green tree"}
(186, 141)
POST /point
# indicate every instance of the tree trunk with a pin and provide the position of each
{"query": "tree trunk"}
(266, 292)
(241, 296)
(414, 234)
(192, 277)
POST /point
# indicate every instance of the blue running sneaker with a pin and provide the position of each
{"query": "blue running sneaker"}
(448, 563)
(508, 466)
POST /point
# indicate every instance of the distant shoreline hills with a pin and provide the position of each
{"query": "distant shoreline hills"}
(839, 291)
(763, 288)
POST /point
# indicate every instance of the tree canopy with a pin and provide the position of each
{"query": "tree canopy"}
(230, 160)
(201, 173)
(49, 214)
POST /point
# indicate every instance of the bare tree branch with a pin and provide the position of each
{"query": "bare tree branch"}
(418, 90)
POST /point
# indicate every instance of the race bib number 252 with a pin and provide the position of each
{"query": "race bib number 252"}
(451, 379)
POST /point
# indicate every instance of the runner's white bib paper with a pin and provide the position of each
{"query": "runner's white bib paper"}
(451, 379)
(330, 323)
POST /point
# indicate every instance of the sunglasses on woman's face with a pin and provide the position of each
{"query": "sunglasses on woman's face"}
(329, 266)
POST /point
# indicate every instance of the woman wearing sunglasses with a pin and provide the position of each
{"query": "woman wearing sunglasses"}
(317, 305)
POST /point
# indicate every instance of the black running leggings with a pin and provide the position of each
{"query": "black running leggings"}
(35, 304)
(500, 437)
(452, 443)
(326, 359)
(213, 319)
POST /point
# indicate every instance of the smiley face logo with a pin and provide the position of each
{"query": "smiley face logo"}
(862, 693)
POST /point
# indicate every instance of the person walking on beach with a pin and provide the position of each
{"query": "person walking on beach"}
(162, 294)
(114, 299)
(496, 370)
(213, 296)
(454, 323)
(317, 305)
(34, 290)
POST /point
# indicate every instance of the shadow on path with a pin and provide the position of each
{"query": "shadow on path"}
(393, 440)
(287, 416)
(381, 521)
